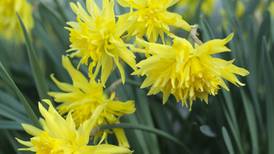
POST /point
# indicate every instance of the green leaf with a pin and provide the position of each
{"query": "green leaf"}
(252, 122)
(227, 140)
(148, 129)
(50, 49)
(207, 130)
(163, 121)
(38, 75)
(11, 108)
(5, 124)
(11, 102)
(52, 12)
(145, 117)
(206, 29)
(136, 138)
(234, 131)
(10, 140)
(6, 77)
(8, 112)
(268, 75)
(231, 109)
(54, 21)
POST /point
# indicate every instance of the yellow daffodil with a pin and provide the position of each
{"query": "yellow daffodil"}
(187, 72)
(9, 25)
(208, 6)
(96, 36)
(271, 9)
(190, 6)
(60, 136)
(240, 8)
(151, 18)
(83, 96)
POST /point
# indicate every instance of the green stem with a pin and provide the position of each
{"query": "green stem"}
(132, 82)
(118, 82)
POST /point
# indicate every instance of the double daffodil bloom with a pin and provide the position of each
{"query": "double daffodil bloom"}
(96, 36)
(9, 25)
(187, 72)
(151, 18)
(61, 136)
(83, 96)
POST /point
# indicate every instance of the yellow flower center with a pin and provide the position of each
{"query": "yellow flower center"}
(44, 144)
(150, 14)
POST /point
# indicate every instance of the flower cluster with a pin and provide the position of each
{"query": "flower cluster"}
(102, 41)
(175, 68)
(9, 25)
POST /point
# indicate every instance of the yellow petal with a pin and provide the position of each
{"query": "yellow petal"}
(121, 137)
(31, 129)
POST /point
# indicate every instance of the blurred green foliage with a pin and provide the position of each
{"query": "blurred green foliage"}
(240, 121)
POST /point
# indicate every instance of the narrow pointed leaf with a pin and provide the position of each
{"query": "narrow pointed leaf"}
(37, 72)
(148, 129)
(6, 77)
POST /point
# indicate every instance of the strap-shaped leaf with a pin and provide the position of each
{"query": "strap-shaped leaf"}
(37, 72)
(7, 78)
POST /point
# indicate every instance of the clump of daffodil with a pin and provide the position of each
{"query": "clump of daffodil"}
(83, 96)
(187, 72)
(9, 24)
(151, 18)
(96, 37)
(190, 6)
(61, 136)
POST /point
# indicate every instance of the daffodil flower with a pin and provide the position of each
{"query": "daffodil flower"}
(187, 72)
(9, 25)
(61, 136)
(151, 18)
(83, 96)
(96, 37)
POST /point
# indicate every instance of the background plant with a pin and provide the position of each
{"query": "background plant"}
(240, 121)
